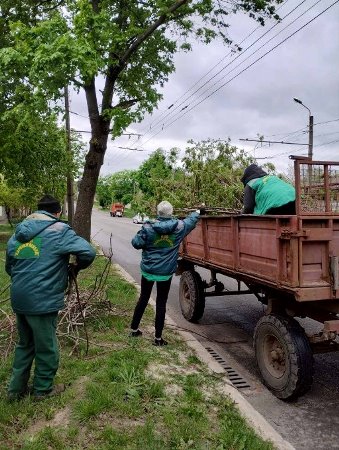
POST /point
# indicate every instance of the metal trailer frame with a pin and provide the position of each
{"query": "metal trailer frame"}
(291, 263)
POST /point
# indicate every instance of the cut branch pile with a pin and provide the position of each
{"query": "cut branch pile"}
(84, 306)
(209, 210)
(7, 333)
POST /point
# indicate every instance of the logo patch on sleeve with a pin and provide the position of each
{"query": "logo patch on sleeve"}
(28, 250)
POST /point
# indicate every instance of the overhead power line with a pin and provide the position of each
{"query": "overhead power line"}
(233, 60)
(77, 114)
(252, 54)
(246, 68)
(272, 142)
(173, 113)
(207, 73)
(298, 150)
(304, 130)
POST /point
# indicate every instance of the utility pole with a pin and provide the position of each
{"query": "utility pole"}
(310, 137)
(70, 181)
(310, 128)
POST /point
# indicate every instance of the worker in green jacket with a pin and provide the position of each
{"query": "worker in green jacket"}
(159, 241)
(37, 260)
(266, 194)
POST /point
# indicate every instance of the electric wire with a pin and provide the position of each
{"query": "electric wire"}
(298, 150)
(268, 145)
(243, 70)
(236, 58)
(208, 72)
(253, 53)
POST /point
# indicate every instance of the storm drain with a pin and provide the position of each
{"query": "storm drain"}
(236, 379)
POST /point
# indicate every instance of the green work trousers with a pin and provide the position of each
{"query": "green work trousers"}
(37, 341)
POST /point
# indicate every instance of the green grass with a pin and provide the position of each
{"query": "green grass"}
(5, 232)
(125, 394)
(6, 228)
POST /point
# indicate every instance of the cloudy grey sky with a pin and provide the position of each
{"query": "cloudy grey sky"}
(222, 102)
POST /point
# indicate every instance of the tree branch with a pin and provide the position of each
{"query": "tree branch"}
(95, 6)
(126, 103)
(92, 103)
(114, 71)
(51, 8)
(160, 21)
(77, 83)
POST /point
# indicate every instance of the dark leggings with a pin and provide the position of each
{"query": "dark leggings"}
(163, 288)
(288, 209)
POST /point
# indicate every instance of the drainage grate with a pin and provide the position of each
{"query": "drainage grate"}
(236, 379)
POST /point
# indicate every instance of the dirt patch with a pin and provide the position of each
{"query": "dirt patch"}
(80, 385)
(62, 418)
(118, 423)
(173, 390)
(162, 371)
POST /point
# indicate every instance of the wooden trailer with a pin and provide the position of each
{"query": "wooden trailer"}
(289, 262)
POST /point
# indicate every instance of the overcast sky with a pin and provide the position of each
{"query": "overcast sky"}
(257, 101)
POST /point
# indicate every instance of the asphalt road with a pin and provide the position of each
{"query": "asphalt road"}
(226, 330)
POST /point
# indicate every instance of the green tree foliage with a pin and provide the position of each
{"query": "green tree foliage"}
(10, 198)
(156, 168)
(129, 43)
(118, 187)
(103, 192)
(213, 170)
(209, 172)
(33, 154)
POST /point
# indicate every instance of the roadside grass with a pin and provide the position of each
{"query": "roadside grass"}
(126, 393)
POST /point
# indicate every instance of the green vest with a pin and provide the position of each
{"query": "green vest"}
(271, 192)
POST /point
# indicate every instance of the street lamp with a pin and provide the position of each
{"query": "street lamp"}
(310, 128)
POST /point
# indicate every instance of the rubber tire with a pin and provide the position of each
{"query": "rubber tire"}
(191, 296)
(297, 376)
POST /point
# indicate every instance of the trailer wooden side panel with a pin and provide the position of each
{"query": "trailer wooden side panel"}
(258, 247)
(292, 253)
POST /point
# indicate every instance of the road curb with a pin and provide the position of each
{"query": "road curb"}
(253, 417)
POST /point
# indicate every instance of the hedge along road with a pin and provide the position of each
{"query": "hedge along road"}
(226, 329)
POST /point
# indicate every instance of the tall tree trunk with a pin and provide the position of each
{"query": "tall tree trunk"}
(94, 161)
(88, 183)
(70, 180)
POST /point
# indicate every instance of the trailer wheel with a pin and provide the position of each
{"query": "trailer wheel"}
(284, 356)
(191, 296)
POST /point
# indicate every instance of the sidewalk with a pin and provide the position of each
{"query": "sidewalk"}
(253, 418)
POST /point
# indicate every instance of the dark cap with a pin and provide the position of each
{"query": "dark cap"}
(251, 172)
(49, 204)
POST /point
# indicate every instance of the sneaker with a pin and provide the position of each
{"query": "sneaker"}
(135, 333)
(159, 342)
(57, 389)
